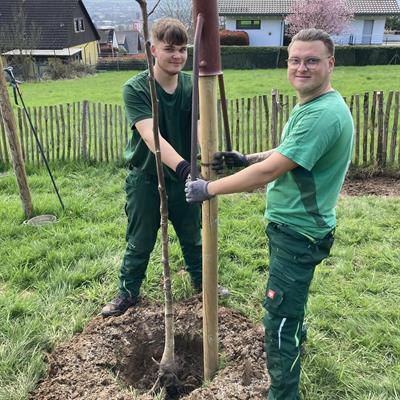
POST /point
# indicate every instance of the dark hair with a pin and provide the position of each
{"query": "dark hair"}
(169, 30)
(312, 34)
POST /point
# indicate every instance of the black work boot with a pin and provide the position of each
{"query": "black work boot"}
(118, 305)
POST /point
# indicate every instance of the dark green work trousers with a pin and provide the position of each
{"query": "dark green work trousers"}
(143, 212)
(293, 258)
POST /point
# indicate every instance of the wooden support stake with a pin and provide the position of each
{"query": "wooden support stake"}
(208, 135)
(10, 126)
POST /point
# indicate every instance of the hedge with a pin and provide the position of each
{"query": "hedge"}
(248, 57)
(232, 38)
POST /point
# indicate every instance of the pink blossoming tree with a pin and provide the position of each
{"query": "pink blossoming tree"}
(333, 16)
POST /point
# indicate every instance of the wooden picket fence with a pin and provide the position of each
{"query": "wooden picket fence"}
(99, 132)
(71, 132)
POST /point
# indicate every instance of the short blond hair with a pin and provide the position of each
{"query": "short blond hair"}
(313, 34)
(169, 30)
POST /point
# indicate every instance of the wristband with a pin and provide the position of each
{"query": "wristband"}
(183, 170)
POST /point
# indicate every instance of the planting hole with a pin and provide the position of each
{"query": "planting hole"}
(138, 369)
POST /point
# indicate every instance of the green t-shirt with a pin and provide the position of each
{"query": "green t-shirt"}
(175, 111)
(319, 137)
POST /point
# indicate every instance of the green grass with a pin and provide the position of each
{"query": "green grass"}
(55, 278)
(105, 87)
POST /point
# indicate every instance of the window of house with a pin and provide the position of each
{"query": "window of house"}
(222, 22)
(79, 25)
(248, 24)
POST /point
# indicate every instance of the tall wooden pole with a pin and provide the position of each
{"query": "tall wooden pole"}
(209, 69)
(15, 147)
(208, 143)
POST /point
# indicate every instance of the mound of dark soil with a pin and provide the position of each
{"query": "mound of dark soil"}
(113, 359)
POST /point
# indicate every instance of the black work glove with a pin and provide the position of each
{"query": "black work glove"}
(232, 159)
(183, 170)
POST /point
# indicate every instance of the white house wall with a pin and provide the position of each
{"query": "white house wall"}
(270, 34)
(355, 31)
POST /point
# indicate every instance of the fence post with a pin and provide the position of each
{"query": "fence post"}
(248, 125)
(394, 130)
(357, 131)
(242, 125)
(379, 148)
(62, 132)
(85, 106)
(21, 133)
(386, 127)
(4, 140)
(254, 124)
(266, 111)
(89, 133)
(110, 116)
(105, 131)
(365, 127)
(58, 133)
(68, 131)
(237, 126)
(372, 130)
(121, 146)
(100, 119)
(260, 128)
(94, 132)
(274, 117)
(40, 131)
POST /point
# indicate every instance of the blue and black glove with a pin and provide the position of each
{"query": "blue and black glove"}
(232, 159)
(196, 191)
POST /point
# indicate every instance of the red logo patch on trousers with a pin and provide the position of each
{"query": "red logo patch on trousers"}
(271, 294)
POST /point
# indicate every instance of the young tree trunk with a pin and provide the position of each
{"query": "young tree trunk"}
(167, 369)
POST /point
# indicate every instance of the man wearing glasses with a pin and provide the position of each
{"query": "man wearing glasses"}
(304, 175)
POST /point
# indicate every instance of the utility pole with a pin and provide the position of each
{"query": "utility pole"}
(15, 147)
(210, 68)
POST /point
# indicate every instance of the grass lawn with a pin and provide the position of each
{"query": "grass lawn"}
(105, 87)
(54, 279)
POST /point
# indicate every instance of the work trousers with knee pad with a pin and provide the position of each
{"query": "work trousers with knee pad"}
(293, 258)
(143, 212)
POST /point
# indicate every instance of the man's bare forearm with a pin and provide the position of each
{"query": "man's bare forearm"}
(257, 157)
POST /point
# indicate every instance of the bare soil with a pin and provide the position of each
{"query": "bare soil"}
(114, 358)
(377, 186)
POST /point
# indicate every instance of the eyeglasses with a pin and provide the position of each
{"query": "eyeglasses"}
(310, 62)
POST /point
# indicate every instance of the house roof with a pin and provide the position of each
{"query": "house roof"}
(44, 52)
(106, 35)
(282, 7)
(54, 20)
(130, 39)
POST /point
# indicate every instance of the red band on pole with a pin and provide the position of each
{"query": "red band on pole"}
(210, 57)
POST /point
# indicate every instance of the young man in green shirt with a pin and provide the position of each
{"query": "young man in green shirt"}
(304, 175)
(174, 92)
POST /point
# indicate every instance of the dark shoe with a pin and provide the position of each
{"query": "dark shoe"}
(118, 306)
